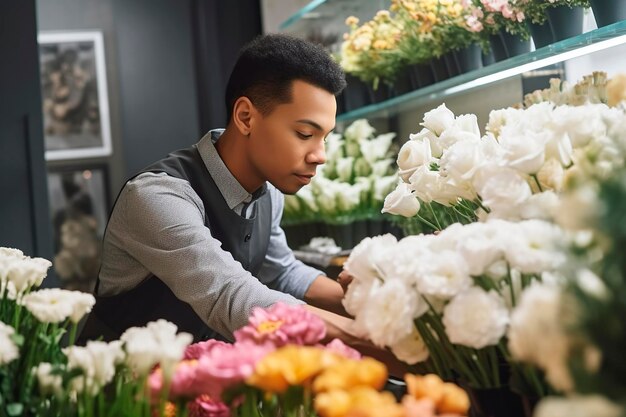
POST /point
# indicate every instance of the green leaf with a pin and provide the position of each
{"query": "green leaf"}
(15, 409)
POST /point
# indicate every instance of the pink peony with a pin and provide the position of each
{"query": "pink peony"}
(340, 348)
(197, 350)
(227, 365)
(282, 324)
(205, 406)
(183, 381)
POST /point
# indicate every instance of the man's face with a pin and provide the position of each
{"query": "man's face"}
(287, 145)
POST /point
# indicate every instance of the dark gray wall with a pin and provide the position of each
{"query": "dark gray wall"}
(150, 73)
(24, 220)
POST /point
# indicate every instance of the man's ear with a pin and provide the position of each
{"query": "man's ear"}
(243, 112)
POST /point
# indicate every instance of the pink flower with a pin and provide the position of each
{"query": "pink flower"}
(282, 324)
(183, 381)
(340, 348)
(197, 350)
(227, 365)
(205, 406)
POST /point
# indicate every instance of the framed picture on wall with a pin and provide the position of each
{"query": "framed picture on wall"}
(74, 95)
(79, 206)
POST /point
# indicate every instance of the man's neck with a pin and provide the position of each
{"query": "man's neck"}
(232, 148)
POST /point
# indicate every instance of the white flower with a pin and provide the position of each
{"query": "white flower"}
(383, 186)
(438, 120)
(578, 406)
(462, 160)
(536, 334)
(540, 206)
(591, 284)
(26, 272)
(578, 208)
(500, 118)
(536, 247)
(502, 190)
(8, 348)
(359, 130)
(305, 195)
(431, 186)
(476, 318)
(467, 123)
(444, 276)
(97, 361)
(334, 146)
(412, 155)
(48, 383)
(49, 305)
(559, 147)
(580, 123)
(524, 150)
(389, 313)
(348, 196)
(401, 201)
(157, 343)
(344, 168)
(455, 134)
(551, 175)
(411, 349)
(431, 138)
(381, 168)
(377, 148)
(369, 258)
(357, 296)
(480, 244)
(82, 303)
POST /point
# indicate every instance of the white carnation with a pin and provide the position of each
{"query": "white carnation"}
(446, 275)
(411, 349)
(368, 259)
(502, 190)
(476, 318)
(536, 247)
(524, 150)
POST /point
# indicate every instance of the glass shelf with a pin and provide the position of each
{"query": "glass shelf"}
(326, 18)
(584, 44)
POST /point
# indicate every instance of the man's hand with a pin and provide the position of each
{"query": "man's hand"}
(344, 280)
(327, 294)
(338, 327)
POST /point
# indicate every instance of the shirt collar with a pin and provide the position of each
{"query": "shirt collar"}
(232, 191)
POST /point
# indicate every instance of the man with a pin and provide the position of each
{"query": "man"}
(195, 238)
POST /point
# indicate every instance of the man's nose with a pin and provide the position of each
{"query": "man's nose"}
(317, 155)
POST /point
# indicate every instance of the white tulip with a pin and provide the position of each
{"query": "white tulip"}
(359, 130)
(381, 168)
(401, 201)
(383, 186)
(377, 148)
(345, 167)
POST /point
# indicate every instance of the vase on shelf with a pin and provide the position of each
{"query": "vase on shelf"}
(608, 12)
(542, 34)
(469, 58)
(566, 22)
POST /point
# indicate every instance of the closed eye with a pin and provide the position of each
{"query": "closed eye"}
(303, 136)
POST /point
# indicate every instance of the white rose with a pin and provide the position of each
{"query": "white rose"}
(412, 155)
(427, 135)
(462, 160)
(401, 201)
(454, 135)
(411, 349)
(577, 406)
(438, 120)
(8, 348)
(476, 318)
(468, 123)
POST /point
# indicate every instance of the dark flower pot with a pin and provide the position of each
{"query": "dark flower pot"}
(498, 402)
(608, 12)
(469, 59)
(380, 94)
(514, 44)
(566, 22)
(355, 95)
(488, 58)
(422, 75)
(451, 65)
(542, 34)
(440, 69)
(404, 82)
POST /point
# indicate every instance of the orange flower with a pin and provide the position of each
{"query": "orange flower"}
(359, 402)
(447, 397)
(348, 373)
(289, 365)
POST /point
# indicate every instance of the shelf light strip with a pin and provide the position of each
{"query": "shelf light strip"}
(491, 78)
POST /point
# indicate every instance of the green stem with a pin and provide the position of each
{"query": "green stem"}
(426, 222)
(534, 176)
(73, 331)
(430, 207)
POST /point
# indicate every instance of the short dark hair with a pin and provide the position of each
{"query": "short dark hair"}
(268, 65)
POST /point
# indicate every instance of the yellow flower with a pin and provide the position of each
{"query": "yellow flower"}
(288, 366)
(351, 373)
(352, 21)
(455, 400)
(359, 402)
(616, 90)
